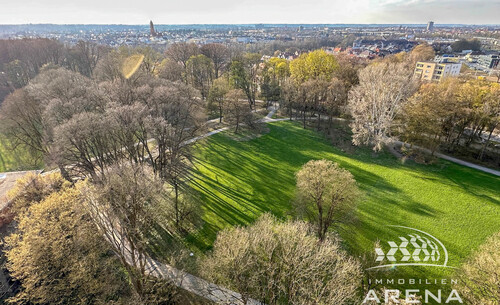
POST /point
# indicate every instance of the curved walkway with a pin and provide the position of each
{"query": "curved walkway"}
(453, 159)
(220, 294)
(269, 118)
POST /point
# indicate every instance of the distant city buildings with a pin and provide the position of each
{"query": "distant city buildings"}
(430, 26)
(488, 62)
(436, 71)
(379, 40)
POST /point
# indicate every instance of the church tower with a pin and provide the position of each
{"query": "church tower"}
(152, 28)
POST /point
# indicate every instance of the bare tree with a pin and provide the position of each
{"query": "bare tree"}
(181, 52)
(235, 109)
(85, 144)
(326, 193)
(22, 121)
(219, 54)
(52, 98)
(22, 59)
(84, 56)
(176, 115)
(216, 95)
(336, 100)
(171, 70)
(124, 208)
(283, 263)
(375, 102)
(288, 99)
(316, 97)
(491, 109)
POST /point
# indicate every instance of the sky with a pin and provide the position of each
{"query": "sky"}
(249, 11)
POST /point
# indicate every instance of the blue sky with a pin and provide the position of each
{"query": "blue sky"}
(249, 11)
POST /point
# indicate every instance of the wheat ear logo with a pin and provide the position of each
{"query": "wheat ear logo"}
(417, 248)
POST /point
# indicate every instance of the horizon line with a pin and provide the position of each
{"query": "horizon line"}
(257, 23)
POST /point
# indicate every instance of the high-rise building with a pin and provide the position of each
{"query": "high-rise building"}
(152, 28)
(430, 26)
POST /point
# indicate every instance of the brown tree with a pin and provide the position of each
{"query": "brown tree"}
(181, 52)
(336, 100)
(236, 111)
(282, 263)
(374, 103)
(84, 56)
(219, 54)
(124, 208)
(421, 52)
(326, 193)
(430, 114)
(171, 70)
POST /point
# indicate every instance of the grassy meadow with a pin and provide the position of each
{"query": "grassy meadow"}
(236, 181)
(14, 160)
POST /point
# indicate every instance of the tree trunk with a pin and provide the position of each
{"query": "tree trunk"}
(481, 154)
(177, 220)
(434, 144)
(64, 172)
(320, 222)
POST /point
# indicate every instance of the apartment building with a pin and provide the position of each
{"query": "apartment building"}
(488, 62)
(436, 71)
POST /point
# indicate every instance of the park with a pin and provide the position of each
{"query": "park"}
(239, 180)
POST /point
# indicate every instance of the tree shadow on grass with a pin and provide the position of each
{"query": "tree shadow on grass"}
(479, 184)
(238, 181)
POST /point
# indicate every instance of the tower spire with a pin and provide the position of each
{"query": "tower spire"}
(152, 28)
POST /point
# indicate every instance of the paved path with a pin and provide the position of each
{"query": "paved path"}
(7, 182)
(196, 285)
(454, 160)
(268, 118)
(222, 295)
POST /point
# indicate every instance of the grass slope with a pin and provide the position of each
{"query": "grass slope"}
(11, 160)
(237, 181)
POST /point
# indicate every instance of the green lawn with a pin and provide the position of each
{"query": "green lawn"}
(237, 181)
(11, 160)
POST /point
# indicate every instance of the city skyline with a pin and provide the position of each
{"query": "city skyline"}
(245, 12)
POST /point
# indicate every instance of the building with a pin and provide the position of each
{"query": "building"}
(152, 28)
(430, 26)
(487, 62)
(436, 71)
